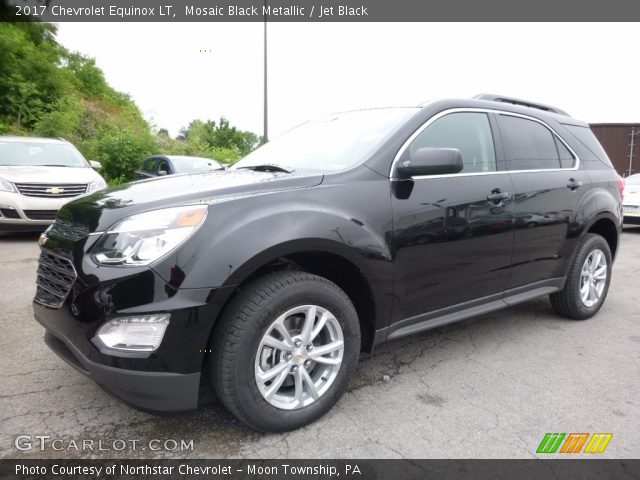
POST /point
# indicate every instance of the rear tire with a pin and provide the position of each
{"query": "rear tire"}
(262, 331)
(587, 282)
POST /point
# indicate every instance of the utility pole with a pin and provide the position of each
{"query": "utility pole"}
(633, 136)
(265, 134)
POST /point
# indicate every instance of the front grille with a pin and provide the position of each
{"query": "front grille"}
(41, 214)
(55, 279)
(9, 213)
(68, 230)
(52, 190)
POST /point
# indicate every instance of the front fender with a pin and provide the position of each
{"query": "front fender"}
(278, 230)
(349, 219)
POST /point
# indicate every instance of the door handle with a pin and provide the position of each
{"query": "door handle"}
(574, 184)
(497, 197)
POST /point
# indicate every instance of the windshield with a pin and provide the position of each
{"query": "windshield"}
(332, 143)
(194, 164)
(633, 180)
(29, 154)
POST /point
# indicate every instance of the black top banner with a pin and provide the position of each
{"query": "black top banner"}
(318, 10)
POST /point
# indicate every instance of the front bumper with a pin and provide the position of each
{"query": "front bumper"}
(87, 295)
(165, 380)
(631, 212)
(149, 391)
(19, 212)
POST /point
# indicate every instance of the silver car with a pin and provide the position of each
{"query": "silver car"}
(37, 177)
(631, 201)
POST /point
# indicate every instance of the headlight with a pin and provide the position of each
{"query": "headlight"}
(96, 185)
(145, 237)
(142, 333)
(6, 186)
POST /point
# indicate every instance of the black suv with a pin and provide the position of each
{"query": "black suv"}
(266, 280)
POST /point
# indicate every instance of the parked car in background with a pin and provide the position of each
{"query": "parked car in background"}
(161, 165)
(631, 202)
(266, 280)
(37, 177)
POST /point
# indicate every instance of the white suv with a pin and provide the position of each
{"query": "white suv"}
(37, 177)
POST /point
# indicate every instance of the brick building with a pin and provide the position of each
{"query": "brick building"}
(616, 141)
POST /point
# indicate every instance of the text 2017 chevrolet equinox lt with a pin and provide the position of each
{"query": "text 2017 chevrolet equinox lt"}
(266, 280)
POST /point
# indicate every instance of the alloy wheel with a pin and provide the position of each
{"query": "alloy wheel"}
(593, 278)
(299, 357)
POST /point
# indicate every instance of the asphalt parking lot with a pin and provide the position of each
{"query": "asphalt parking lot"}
(487, 388)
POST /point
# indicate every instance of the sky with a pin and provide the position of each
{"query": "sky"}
(177, 72)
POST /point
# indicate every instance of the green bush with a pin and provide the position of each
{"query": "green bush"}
(121, 154)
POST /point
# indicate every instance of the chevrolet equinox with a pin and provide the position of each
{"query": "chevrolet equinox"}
(266, 280)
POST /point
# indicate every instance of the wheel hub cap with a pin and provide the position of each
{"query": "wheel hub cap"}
(300, 356)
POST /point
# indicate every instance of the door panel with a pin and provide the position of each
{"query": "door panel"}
(453, 234)
(545, 208)
(452, 245)
(547, 194)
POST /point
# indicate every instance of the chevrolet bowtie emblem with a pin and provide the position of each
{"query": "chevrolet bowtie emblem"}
(55, 190)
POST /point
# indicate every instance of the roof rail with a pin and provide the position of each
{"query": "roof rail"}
(519, 102)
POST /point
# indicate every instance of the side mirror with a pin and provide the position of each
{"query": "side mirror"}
(162, 173)
(430, 161)
(95, 165)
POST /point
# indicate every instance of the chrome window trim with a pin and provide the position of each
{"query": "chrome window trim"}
(441, 114)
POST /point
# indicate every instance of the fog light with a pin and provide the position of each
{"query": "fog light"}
(142, 333)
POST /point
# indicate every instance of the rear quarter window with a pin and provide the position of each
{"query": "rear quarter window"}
(588, 147)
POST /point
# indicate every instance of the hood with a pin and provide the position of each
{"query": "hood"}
(49, 175)
(102, 209)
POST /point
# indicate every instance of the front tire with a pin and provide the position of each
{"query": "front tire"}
(587, 282)
(284, 350)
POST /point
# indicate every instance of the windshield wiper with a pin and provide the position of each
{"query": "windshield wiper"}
(51, 165)
(268, 167)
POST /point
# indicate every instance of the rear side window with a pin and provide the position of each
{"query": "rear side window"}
(586, 137)
(469, 132)
(530, 145)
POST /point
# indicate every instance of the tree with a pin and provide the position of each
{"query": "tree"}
(87, 77)
(30, 80)
(220, 135)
